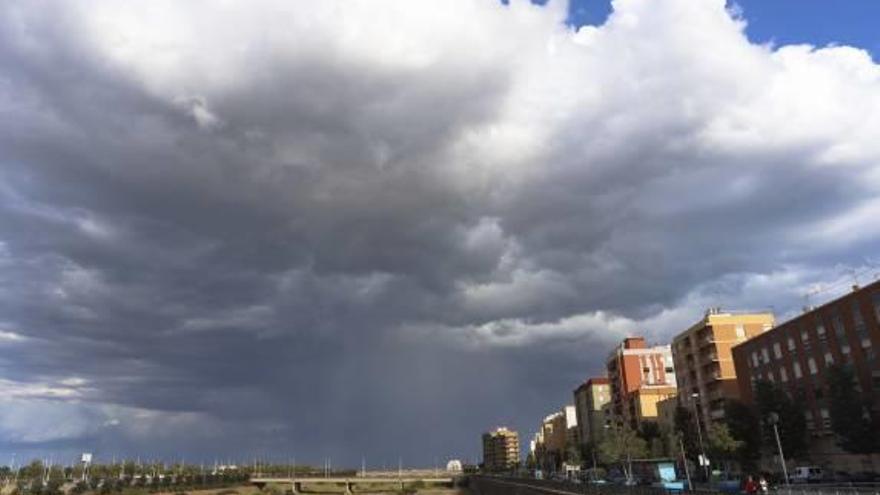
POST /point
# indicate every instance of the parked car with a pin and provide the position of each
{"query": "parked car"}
(807, 474)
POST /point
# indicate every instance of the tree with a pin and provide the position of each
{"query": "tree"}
(32, 471)
(621, 445)
(53, 486)
(792, 424)
(36, 486)
(856, 429)
(573, 455)
(686, 428)
(744, 425)
(721, 445)
(653, 437)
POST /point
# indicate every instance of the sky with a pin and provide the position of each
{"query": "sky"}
(374, 229)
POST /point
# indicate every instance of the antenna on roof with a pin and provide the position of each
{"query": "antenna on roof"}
(812, 292)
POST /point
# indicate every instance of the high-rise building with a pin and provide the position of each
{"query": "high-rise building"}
(588, 401)
(500, 449)
(797, 354)
(640, 376)
(704, 364)
(558, 432)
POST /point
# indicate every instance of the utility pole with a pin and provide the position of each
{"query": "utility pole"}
(593, 453)
(704, 461)
(684, 461)
(774, 419)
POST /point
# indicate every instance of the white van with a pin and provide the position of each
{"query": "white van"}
(807, 474)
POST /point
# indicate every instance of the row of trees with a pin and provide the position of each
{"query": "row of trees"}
(746, 432)
(38, 479)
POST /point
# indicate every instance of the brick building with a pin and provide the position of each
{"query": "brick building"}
(796, 355)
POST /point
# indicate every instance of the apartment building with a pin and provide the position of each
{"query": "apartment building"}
(500, 450)
(639, 377)
(797, 354)
(588, 401)
(558, 431)
(703, 360)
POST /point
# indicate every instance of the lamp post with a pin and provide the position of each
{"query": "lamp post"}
(622, 442)
(704, 461)
(684, 461)
(773, 418)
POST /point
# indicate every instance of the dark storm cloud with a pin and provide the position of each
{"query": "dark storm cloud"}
(325, 230)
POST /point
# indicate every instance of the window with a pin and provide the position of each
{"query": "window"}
(820, 330)
(844, 349)
(805, 339)
(837, 324)
(670, 369)
(866, 343)
(857, 317)
(754, 359)
(876, 298)
(790, 344)
(811, 363)
(765, 354)
(797, 370)
(809, 417)
(826, 418)
(777, 350)
(783, 374)
(829, 359)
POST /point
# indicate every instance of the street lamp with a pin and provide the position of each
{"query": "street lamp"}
(705, 460)
(773, 419)
(622, 442)
(684, 461)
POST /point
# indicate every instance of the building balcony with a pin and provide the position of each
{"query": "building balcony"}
(716, 413)
(714, 395)
(709, 369)
(707, 341)
(710, 375)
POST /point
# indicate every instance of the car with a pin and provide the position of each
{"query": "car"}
(807, 474)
